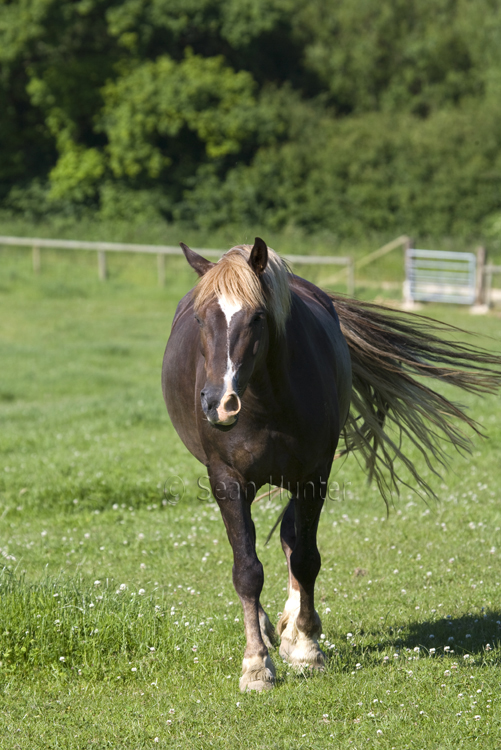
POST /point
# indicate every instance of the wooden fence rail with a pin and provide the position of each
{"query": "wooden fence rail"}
(37, 243)
(402, 241)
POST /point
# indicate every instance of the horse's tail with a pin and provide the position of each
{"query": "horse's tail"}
(393, 356)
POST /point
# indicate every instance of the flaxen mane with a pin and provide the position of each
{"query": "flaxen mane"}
(232, 278)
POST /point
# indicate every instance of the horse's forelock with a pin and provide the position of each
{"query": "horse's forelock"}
(233, 279)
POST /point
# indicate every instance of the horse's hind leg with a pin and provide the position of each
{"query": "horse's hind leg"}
(268, 632)
(258, 671)
(299, 625)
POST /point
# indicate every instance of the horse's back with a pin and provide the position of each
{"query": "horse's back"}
(323, 310)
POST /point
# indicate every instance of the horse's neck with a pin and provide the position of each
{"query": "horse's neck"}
(270, 380)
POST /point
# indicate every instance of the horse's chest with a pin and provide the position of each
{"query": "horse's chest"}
(280, 450)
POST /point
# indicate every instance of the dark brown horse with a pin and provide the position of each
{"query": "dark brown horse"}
(257, 378)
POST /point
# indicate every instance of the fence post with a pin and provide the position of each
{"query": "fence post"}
(407, 295)
(161, 269)
(101, 265)
(479, 280)
(488, 285)
(37, 260)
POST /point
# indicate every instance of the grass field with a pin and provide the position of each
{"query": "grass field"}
(119, 625)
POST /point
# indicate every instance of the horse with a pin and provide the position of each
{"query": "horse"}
(263, 373)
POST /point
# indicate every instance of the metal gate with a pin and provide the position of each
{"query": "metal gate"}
(440, 276)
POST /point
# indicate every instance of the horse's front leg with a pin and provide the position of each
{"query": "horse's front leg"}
(258, 671)
(299, 626)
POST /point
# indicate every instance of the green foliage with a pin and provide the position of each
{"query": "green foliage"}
(146, 110)
(377, 172)
(354, 116)
(416, 56)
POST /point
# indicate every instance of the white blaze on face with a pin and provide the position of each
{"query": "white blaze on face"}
(229, 309)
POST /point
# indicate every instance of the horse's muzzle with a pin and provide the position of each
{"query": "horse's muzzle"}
(221, 411)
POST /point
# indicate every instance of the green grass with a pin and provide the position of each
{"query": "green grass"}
(95, 486)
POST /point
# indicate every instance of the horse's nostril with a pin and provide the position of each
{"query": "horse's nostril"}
(209, 400)
(232, 403)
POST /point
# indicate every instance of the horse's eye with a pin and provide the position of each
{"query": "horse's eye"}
(257, 318)
(198, 320)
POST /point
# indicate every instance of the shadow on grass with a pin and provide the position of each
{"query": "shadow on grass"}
(474, 636)
(474, 633)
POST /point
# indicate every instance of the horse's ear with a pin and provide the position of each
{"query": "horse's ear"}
(199, 264)
(259, 256)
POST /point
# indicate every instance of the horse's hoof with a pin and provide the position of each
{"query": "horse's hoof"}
(258, 674)
(302, 653)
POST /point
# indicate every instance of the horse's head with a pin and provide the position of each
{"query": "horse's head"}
(230, 310)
